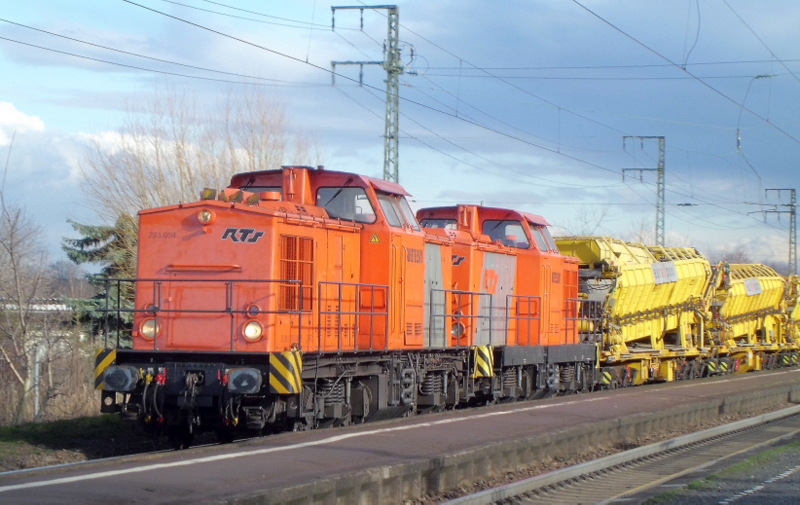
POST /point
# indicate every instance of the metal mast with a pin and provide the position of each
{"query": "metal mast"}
(659, 181)
(792, 224)
(393, 66)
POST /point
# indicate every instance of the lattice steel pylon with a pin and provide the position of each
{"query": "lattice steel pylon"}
(393, 66)
(792, 223)
(660, 191)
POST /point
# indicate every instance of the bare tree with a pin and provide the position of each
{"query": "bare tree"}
(643, 235)
(166, 152)
(38, 347)
(588, 219)
(730, 253)
(21, 278)
(42, 362)
(170, 148)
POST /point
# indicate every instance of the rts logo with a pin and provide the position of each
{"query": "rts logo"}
(246, 235)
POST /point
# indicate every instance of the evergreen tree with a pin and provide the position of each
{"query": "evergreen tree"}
(114, 249)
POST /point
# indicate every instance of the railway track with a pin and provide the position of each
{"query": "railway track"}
(615, 477)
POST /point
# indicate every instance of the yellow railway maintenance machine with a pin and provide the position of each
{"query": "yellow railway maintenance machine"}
(649, 305)
(748, 319)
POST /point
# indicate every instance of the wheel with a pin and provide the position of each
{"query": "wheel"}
(180, 437)
(224, 435)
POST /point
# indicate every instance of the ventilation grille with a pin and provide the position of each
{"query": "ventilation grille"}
(296, 264)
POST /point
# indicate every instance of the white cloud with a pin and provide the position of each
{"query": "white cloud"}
(13, 121)
(41, 165)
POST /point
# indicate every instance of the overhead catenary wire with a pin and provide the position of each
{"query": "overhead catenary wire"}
(475, 123)
(299, 60)
(137, 55)
(695, 77)
(250, 77)
(761, 41)
(286, 22)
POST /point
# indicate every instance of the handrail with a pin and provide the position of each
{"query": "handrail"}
(156, 306)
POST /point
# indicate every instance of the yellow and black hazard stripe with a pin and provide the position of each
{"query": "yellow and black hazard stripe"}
(484, 361)
(606, 377)
(712, 366)
(285, 370)
(103, 359)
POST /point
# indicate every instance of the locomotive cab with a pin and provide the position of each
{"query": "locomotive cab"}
(542, 292)
(384, 312)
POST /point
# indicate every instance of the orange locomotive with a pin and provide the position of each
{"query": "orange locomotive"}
(300, 297)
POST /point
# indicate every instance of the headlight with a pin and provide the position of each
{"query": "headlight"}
(205, 216)
(252, 331)
(244, 380)
(457, 330)
(149, 329)
(120, 378)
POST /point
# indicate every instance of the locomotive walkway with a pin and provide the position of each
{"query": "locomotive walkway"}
(392, 461)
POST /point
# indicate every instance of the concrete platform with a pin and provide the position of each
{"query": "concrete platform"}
(406, 459)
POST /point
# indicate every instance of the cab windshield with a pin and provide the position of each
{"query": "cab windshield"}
(397, 211)
(543, 238)
(349, 204)
(446, 224)
(507, 231)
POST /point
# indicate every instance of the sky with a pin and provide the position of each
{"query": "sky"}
(551, 107)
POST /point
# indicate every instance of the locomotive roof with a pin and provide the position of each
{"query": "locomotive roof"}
(533, 218)
(380, 184)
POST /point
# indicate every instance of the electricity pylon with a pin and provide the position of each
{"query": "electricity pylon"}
(659, 183)
(792, 211)
(393, 66)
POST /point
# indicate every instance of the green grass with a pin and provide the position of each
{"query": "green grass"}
(664, 498)
(39, 444)
(743, 466)
(758, 460)
(61, 434)
(702, 483)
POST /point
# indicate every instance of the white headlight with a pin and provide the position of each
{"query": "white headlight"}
(149, 329)
(252, 331)
(205, 216)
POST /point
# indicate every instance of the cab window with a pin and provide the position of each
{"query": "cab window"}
(350, 204)
(408, 214)
(509, 232)
(446, 224)
(543, 238)
(260, 189)
(397, 211)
